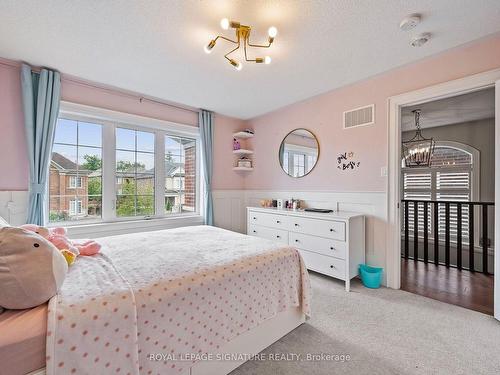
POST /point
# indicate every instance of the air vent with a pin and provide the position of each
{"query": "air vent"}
(359, 117)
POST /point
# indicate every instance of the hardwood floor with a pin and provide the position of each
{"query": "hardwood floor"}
(472, 290)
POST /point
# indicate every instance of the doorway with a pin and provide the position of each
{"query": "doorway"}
(438, 242)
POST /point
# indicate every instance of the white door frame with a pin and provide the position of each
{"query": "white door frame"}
(444, 90)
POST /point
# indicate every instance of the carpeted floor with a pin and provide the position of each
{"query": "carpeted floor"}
(385, 331)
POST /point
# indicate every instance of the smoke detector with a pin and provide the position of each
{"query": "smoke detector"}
(409, 22)
(420, 40)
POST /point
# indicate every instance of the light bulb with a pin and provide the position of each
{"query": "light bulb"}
(209, 46)
(224, 23)
(272, 32)
(237, 65)
(267, 60)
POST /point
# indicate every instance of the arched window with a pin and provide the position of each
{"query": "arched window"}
(452, 176)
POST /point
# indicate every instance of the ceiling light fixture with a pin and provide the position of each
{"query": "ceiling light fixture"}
(418, 151)
(242, 40)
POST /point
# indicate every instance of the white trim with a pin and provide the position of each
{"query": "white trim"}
(448, 89)
(497, 199)
(101, 114)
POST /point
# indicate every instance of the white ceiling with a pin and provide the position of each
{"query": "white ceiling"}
(462, 108)
(155, 47)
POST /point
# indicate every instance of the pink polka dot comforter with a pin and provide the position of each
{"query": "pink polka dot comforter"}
(174, 294)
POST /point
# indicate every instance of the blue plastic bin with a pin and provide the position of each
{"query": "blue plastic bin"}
(370, 276)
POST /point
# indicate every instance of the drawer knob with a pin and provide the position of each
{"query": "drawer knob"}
(332, 266)
(331, 248)
(278, 236)
(277, 221)
(332, 230)
(296, 224)
(254, 218)
(255, 231)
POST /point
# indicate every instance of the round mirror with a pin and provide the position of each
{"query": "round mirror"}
(299, 152)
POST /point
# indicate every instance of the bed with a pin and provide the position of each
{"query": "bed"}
(192, 300)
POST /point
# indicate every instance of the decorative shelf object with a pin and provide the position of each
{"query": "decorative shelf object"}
(242, 169)
(242, 135)
(242, 151)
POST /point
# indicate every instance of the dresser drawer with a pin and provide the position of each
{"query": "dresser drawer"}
(324, 264)
(325, 246)
(268, 220)
(315, 227)
(278, 235)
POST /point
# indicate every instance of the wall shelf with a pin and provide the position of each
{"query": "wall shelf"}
(242, 135)
(242, 169)
(242, 151)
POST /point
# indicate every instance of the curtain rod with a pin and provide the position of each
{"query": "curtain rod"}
(116, 91)
(124, 93)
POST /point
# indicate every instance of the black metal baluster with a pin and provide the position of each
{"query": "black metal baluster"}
(471, 237)
(415, 230)
(436, 233)
(406, 230)
(485, 238)
(459, 236)
(426, 230)
(447, 234)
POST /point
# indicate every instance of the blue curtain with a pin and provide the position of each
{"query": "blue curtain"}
(41, 94)
(207, 141)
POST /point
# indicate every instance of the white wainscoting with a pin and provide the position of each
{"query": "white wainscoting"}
(230, 212)
(13, 206)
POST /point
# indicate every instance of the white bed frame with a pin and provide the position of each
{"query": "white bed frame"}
(249, 343)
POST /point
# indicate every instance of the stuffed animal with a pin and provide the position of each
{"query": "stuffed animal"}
(57, 236)
(31, 269)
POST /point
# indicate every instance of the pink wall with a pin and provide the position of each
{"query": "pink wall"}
(13, 160)
(323, 116)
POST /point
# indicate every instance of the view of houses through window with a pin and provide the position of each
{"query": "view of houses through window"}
(76, 177)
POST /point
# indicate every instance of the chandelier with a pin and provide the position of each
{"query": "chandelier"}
(242, 40)
(417, 152)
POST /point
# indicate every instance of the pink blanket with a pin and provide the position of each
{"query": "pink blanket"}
(174, 294)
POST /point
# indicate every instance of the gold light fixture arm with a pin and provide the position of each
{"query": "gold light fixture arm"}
(230, 52)
(229, 40)
(260, 45)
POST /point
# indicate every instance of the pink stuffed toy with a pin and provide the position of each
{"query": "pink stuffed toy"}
(58, 238)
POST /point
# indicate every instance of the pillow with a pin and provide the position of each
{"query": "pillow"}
(3, 223)
(31, 269)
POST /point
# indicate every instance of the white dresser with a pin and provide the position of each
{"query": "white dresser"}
(332, 244)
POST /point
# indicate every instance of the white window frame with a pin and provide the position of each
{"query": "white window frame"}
(292, 150)
(73, 207)
(110, 120)
(73, 182)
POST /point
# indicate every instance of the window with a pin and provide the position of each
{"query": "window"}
(298, 159)
(75, 182)
(135, 173)
(299, 163)
(109, 166)
(75, 171)
(75, 207)
(453, 174)
(180, 174)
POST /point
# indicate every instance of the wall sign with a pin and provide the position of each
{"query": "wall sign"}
(346, 161)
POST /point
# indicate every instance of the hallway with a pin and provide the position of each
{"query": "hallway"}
(472, 290)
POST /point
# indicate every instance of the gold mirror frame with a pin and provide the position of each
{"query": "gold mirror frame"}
(281, 145)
